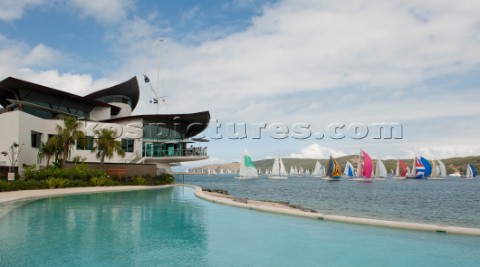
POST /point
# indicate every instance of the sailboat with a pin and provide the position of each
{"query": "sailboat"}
(438, 170)
(318, 170)
(443, 170)
(334, 172)
(364, 168)
(471, 172)
(301, 172)
(349, 170)
(380, 171)
(247, 169)
(278, 169)
(419, 170)
(401, 171)
(428, 167)
(293, 171)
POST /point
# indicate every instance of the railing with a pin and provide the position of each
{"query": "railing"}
(187, 152)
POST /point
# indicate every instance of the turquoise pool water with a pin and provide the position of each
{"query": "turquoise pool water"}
(171, 227)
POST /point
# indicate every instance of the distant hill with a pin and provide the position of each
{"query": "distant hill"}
(453, 165)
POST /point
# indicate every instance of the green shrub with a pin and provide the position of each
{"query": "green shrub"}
(101, 180)
(80, 172)
(53, 182)
(139, 180)
(21, 185)
(161, 179)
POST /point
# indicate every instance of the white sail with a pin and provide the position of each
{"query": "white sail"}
(380, 170)
(278, 169)
(317, 171)
(469, 173)
(443, 170)
(247, 169)
(397, 171)
(292, 171)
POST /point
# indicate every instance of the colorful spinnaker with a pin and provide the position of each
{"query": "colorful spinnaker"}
(349, 170)
(247, 168)
(419, 168)
(334, 170)
(428, 167)
(365, 165)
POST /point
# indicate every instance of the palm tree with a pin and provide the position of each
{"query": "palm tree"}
(48, 149)
(68, 134)
(106, 144)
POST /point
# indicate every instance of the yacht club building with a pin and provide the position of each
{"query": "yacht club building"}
(31, 113)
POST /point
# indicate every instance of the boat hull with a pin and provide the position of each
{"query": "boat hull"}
(245, 177)
(277, 177)
(360, 180)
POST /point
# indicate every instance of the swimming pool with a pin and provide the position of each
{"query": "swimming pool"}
(171, 227)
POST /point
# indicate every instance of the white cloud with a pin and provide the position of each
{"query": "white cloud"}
(441, 152)
(72, 83)
(318, 48)
(11, 10)
(41, 55)
(19, 55)
(317, 151)
(104, 10)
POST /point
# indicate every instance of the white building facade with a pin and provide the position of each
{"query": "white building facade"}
(31, 113)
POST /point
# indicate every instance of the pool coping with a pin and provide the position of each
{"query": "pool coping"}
(339, 218)
(23, 195)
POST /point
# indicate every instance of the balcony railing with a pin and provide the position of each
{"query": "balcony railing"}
(186, 152)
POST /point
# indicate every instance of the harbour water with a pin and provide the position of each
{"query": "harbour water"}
(453, 201)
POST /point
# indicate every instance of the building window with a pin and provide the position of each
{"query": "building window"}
(85, 143)
(127, 144)
(36, 139)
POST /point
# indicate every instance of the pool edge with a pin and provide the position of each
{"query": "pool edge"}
(339, 218)
(23, 195)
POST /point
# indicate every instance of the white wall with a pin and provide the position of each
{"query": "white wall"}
(125, 111)
(100, 113)
(9, 132)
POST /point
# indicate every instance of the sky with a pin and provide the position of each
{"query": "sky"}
(338, 67)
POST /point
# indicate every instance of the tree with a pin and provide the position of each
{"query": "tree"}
(106, 145)
(49, 149)
(69, 134)
(12, 154)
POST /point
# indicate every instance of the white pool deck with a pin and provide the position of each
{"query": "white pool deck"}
(12, 197)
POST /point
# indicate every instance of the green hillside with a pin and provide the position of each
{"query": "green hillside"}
(452, 164)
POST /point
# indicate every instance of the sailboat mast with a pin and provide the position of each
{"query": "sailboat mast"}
(158, 72)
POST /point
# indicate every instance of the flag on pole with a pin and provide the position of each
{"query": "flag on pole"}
(147, 80)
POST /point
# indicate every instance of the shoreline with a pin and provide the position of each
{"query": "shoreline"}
(240, 202)
(287, 210)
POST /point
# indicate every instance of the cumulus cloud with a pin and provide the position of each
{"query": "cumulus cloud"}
(318, 50)
(69, 82)
(41, 55)
(104, 10)
(20, 55)
(317, 151)
(441, 152)
(11, 10)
